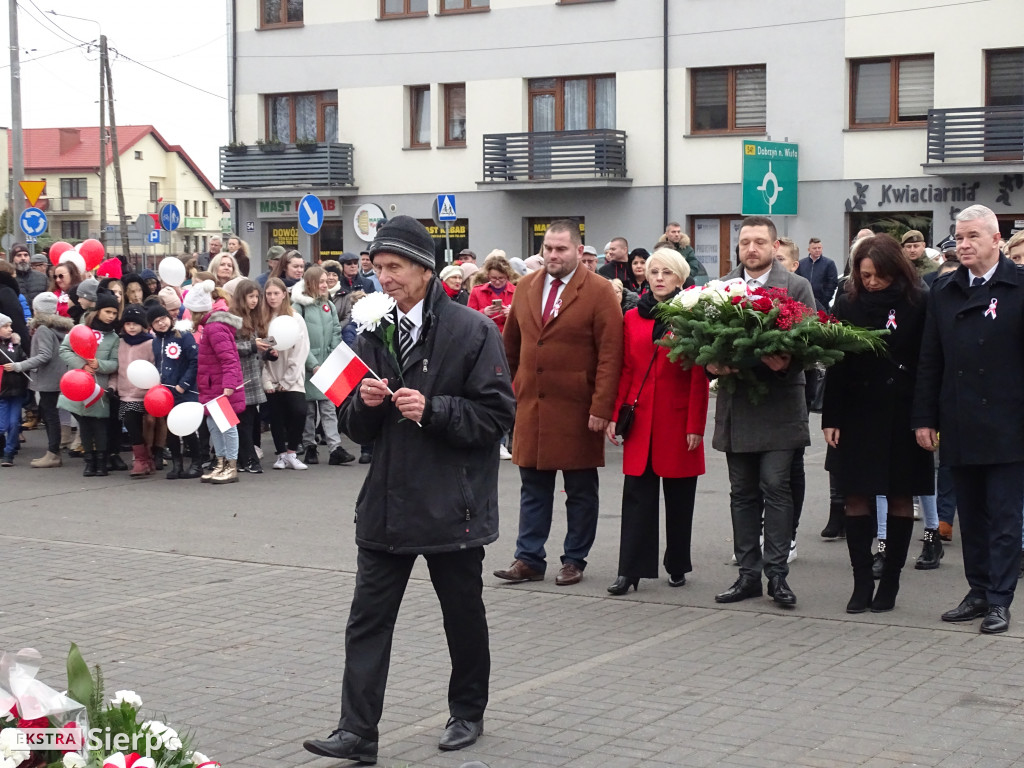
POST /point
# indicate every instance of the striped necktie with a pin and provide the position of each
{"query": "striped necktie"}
(405, 327)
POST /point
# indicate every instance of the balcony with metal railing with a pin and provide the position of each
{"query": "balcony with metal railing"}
(554, 159)
(56, 206)
(282, 167)
(975, 140)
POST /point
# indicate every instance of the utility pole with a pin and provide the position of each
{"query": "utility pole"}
(125, 247)
(103, 140)
(18, 149)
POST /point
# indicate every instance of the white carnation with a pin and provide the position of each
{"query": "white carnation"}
(370, 311)
(126, 697)
(73, 760)
(10, 748)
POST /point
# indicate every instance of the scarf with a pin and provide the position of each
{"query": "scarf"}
(96, 325)
(138, 338)
(646, 308)
(452, 292)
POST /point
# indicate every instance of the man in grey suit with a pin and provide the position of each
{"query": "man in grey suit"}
(760, 440)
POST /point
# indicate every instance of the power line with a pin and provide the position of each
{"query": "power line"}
(164, 74)
(46, 15)
(63, 37)
(185, 53)
(44, 56)
(641, 38)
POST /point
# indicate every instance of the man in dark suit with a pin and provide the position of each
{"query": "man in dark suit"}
(760, 441)
(968, 388)
(820, 272)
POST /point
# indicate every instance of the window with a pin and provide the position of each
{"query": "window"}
(74, 230)
(302, 117)
(138, 154)
(572, 103)
(455, 115)
(279, 13)
(419, 116)
(1004, 78)
(398, 9)
(887, 92)
(728, 99)
(204, 209)
(154, 191)
(73, 188)
(462, 6)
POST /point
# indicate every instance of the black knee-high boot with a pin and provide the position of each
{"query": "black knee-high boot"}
(860, 532)
(899, 531)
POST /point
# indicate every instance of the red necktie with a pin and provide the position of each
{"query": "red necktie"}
(549, 305)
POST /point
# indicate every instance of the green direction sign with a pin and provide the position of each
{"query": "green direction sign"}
(769, 178)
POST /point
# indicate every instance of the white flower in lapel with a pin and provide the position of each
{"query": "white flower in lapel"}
(371, 310)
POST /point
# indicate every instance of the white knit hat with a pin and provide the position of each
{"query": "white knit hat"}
(200, 296)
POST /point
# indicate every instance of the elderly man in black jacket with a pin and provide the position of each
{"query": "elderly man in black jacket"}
(435, 419)
(969, 390)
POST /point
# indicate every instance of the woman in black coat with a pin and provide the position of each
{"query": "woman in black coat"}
(866, 416)
(10, 302)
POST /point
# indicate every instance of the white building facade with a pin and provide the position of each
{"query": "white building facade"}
(624, 114)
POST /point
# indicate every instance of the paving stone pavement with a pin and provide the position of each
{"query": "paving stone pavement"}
(246, 646)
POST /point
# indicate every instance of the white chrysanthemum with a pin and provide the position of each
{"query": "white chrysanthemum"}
(370, 311)
(126, 697)
(73, 760)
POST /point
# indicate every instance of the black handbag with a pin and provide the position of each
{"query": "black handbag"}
(624, 421)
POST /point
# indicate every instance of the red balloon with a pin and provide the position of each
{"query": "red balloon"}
(158, 401)
(92, 252)
(57, 250)
(83, 342)
(77, 385)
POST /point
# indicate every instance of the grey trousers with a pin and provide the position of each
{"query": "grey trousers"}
(328, 417)
(753, 477)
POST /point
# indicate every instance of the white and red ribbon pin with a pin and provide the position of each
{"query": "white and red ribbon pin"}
(891, 322)
(992, 308)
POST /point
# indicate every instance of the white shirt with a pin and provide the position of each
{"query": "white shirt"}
(987, 276)
(548, 280)
(760, 281)
(416, 316)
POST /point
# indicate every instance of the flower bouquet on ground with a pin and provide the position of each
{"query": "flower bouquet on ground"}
(102, 735)
(729, 324)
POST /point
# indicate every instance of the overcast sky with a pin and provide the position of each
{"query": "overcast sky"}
(186, 39)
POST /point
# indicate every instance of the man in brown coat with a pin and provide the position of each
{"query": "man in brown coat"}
(563, 340)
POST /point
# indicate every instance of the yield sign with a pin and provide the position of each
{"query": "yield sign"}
(32, 190)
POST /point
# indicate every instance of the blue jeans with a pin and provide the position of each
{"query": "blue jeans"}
(945, 495)
(536, 506)
(10, 422)
(929, 509)
(225, 444)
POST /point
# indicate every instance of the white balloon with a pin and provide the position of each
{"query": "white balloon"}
(172, 271)
(143, 374)
(78, 247)
(184, 418)
(75, 258)
(285, 331)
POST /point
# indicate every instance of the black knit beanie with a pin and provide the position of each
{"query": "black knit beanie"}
(406, 237)
(154, 312)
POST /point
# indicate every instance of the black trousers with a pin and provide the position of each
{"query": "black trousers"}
(638, 536)
(989, 505)
(133, 426)
(48, 409)
(756, 479)
(114, 427)
(381, 579)
(287, 419)
(191, 443)
(247, 419)
(93, 433)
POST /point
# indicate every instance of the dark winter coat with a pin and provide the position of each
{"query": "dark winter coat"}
(868, 399)
(435, 488)
(12, 383)
(823, 277)
(177, 358)
(31, 284)
(219, 366)
(45, 364)
(972, 366)
(10, 304)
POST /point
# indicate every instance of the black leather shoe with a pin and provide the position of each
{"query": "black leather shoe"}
(677, 581)
(970, 608)
(340, 456)
(460, 733)
(312, 456)
(365, 457)
(344, 746)
(779, 591)
(997, 620)
(622, 584)
(741, 590)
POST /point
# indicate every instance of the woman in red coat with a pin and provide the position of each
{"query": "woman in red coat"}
(494, 298)
(666, 439)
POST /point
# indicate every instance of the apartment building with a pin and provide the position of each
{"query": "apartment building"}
(624, 114)
(153, 173)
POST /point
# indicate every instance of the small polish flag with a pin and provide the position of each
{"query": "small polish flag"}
(340, 373)
(95, 397)
(223, 414)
